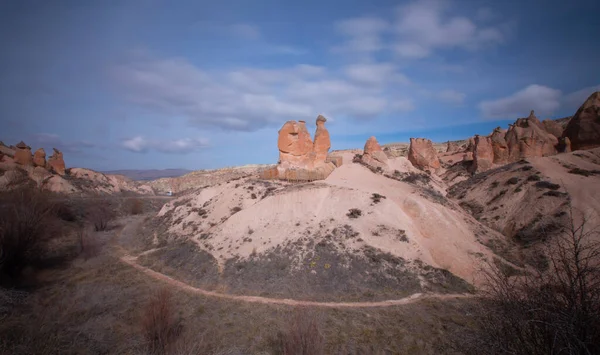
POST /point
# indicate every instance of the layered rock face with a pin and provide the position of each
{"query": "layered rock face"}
(23, 154)
(553, 127)
(499, 146)
(483, 154)
(56, 162)
(452, 147)
(583, 129)
(528, 138)
(299, 158)
(423, 155)
(373, 155)
(39, 158)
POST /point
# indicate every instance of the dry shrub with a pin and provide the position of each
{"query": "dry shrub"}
(303, 335)
(89, 246)
(552, 312)
(100, 214)
(27, 222)
(160, 326)
(136, 206)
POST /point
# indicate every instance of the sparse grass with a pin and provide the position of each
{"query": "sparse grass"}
(534, 178)
(512, 181)
(547, 185)
(377, 197)
(583, 172)
(357, 158)
(136, 206)
(235, 210)
(554, 193)
(354, 213)
(303, 335)
(101, 214)
(160, 326)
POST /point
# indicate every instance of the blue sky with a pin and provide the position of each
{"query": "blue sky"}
(144, 84)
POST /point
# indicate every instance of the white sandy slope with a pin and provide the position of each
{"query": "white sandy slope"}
(440, 236)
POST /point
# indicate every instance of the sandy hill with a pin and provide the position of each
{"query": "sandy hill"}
(149, 174)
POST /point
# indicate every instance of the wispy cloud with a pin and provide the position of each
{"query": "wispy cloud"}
(452, 96)
(245, 31)
(51, 140)
(247, 98)
(140, 144)
(542, 99)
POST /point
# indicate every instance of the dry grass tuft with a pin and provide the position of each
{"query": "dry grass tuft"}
(303, 335)
(160, 325)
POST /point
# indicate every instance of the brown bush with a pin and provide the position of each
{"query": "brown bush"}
(100, 214)
(160, 326)
(89, 246)
(556, 311)
(303, 335)
(26, 224)
(136, 206)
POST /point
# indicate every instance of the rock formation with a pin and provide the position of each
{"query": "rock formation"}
(553, 127)
(422, 155)
(322, 140)
(583, 130)
(452, 147)
(56, 162)
(299, 158)
(373, 155)
(528, 138)
(499, 146)
(23, 154)
(483, 154)
(39, 158)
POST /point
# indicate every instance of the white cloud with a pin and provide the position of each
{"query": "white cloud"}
(245, 31)
(140, 144)
(577, 98)
(542, 99)
(417, 30)
(250, 98)
(362, 34)
(51, 140)
(452, 97)
(425, 25)
(377, 73)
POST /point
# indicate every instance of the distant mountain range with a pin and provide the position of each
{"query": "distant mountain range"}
(151, 174)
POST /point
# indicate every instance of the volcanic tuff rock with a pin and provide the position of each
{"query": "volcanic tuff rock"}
(583, 129)
(483, 154)
(452, 147)
(23, 154)
(422, 154)
(56, 162)
(39, 158)
(373, 155)
(553, 127)
(299, 158)
(499, 146)
(528, 138)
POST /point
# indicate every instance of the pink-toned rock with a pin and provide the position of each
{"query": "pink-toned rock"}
(528, 138)
(499, 146)
(452, 147)
(583, 129)
(483, 154)
(564, 145)
(294, 145)
(373, 155)
(56, 162)
(299, 158)
(39, 158)
(423, 155)
(553, 127)
(322, 141)
(23, 154)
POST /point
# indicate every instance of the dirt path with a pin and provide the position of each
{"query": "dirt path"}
(131, 260)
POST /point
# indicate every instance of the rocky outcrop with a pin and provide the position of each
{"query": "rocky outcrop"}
(452, 147)
(373, 155)
(499, 146)
(583, 129)
(423, 155)
(39, 158)
(322, 140)
(553, 127)
(528, 138)
(23, 154)
(483, 154)
(299, 158)
(56, 162)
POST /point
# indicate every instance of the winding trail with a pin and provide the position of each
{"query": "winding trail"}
(131, 260)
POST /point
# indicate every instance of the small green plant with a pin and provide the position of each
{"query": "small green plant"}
(513, 181)
(377, 197)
